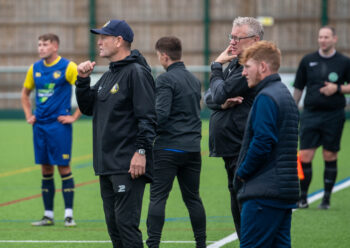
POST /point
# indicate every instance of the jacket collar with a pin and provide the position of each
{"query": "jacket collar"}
(134, 57)
(267, 80)
(179, 64)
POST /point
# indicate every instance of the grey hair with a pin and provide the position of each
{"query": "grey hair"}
(255, 27)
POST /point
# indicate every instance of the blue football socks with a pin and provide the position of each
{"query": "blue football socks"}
(48, 191)
(68, 190)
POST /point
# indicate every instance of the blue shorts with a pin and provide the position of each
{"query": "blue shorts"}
(52, 143)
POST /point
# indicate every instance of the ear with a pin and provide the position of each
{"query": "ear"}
(165, 56)
(118, 41)
(55, 45)
(263, 67)
(335, 38)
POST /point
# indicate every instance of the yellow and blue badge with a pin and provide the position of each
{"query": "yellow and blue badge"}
(115, 88)
(37, 74)
(56, 74)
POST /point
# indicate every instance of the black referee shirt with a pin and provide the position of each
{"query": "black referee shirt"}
(314, 71)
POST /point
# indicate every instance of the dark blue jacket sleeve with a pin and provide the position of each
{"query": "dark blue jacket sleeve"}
(264, 123)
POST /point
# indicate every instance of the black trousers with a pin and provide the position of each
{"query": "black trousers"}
(186, 167)
(230, 166)
(122, 202)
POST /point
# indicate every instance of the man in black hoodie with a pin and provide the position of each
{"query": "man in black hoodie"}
(123, 109)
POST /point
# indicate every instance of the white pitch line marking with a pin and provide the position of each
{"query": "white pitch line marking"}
(232, 237)
(87, 241)
(215, 244)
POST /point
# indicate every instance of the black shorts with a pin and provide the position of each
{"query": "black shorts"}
(321, 128)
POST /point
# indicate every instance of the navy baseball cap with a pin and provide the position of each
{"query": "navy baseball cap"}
(116, 28)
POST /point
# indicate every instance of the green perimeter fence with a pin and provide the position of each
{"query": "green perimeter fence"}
(10, 95)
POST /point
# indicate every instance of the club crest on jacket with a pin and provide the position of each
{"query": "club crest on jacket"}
(115, 88)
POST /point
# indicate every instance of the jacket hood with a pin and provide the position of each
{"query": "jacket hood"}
(134, 57)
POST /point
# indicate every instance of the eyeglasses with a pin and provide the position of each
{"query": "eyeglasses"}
(238, 39)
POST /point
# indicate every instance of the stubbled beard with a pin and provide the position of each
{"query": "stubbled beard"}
(327, 49)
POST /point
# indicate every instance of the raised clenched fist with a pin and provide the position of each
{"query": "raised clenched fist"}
(86, 68)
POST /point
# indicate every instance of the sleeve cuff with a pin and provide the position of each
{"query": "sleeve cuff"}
(82, 81)
(216, 66)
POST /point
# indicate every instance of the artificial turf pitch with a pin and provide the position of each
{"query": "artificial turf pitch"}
(20, 201)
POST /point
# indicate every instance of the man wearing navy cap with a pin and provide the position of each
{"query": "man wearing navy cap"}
(123, 108)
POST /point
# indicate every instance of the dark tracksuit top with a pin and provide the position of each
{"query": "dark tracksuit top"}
(226, 126)
(178, 110)
(123, 108)
(178, 94)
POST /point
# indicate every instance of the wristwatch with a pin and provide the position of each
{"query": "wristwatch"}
(141, 151)
(339, 89)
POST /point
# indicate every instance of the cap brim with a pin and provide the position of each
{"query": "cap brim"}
(99, 31)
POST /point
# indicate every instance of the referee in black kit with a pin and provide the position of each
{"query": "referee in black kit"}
(177, 144)
(323, 73)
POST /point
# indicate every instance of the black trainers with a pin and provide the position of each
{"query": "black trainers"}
(69, 222)
(303, 203)
(324, 204)
(45, 221)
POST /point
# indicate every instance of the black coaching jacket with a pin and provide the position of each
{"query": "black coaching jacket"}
(226, 126)
(123, 108)
(178, 94)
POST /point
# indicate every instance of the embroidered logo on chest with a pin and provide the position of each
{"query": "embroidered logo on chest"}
(333, 77)
(115, 88)
(312, 64)
(56, 74)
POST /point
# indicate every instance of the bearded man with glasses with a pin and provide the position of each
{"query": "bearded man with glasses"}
(230, 100)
